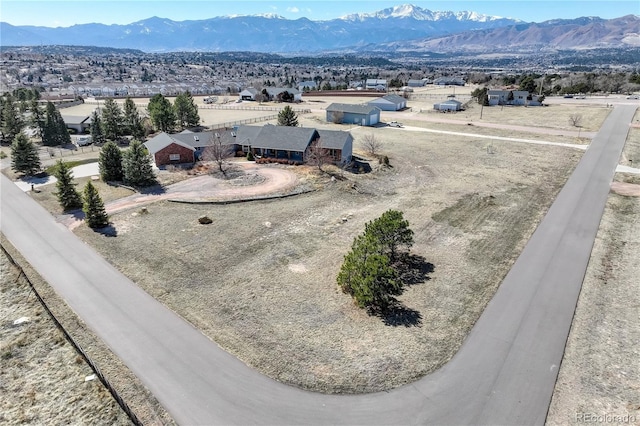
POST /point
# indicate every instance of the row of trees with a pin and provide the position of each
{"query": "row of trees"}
(133, 166)
(114, 122)
(183, 113)
(370, 272)
(70, 199)
(47, 122)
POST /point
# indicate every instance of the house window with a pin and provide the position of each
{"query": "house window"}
(174, 157)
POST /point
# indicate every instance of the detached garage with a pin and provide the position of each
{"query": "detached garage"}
(362, 115)
(167, 150)
(450, 105)
(389, 103)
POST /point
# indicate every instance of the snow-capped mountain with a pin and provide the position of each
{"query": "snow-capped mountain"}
(265, 33)
(392, 28)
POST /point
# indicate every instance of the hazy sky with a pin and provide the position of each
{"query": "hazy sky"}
(67, 13)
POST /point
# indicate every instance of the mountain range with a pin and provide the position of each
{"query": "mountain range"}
(400, 28)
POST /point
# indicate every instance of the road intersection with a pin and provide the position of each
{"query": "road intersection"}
(504, 373)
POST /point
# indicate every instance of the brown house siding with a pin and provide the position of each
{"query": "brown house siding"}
(163, 157)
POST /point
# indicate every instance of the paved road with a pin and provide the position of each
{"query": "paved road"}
(504, 374)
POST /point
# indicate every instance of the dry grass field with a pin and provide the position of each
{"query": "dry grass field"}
(599, 374)
(260, 280)
(42, 377)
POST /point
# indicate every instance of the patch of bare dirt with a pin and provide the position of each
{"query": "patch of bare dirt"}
(626, 189)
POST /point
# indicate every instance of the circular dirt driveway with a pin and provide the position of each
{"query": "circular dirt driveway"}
(256, 181)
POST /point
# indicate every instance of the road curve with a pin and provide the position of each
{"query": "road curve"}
(504, 373)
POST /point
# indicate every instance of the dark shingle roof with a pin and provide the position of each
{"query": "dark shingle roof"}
(334, 139)
(351, 108)
(285, 138)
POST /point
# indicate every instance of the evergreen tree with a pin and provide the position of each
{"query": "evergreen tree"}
(132, 119)
(97, 135)
(287, 117)
(137, 166)
(54, 130)
(24, 156)
(186, 111)
(68, 197)
(112, 119)
(367, 275)
(37, 116)
(11, 123)
(110, 163)
(93, 208)
(369, 272)
(161, 113)
(392, 233)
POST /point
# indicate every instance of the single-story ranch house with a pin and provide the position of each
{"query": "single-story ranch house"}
(273, 93)
(282, 142)
(362, 115)
(179, 148)
(376, 84)
(389, 103)
(512, 97)
(78, 123)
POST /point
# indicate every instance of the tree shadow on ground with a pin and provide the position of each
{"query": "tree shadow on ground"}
(397, 314)
(151, 190)
(107, 231)
(412, 269)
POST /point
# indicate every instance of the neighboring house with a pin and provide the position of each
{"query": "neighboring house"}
(362, 115)
(448, 81)
(376, 84)
(292, 143)
(512, 97)
(449, 105)
(417, 83)
(249, 94)
(275, 93)
(389, 103)
(78, 123)
(179, 148)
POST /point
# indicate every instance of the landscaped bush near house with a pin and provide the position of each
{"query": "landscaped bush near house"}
(266, 160)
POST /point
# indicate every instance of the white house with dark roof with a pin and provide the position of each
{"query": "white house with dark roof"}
(376, 84)
(78, 123)
(389, 103)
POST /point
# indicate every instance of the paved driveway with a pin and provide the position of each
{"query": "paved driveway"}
(504, 373)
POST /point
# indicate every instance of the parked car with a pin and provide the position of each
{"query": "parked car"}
(83, 141)
(633, 97)
(395, 124)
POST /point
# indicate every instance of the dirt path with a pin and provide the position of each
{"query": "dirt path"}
(256, 181)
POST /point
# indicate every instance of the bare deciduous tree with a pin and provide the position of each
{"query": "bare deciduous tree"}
(337, 117)
(575, 120)
(371, 144)
(219, 150)
(317, 155)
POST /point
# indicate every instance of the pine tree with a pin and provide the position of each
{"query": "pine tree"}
(287, 117)
(186, 111)
(97, 135)
(161, 113)
(369, 272)
(132, 119)
(54, 130)
(112, 119)
(137, 166)
(11, 123)
(110, 163)
(37, 116)
(68, 197)
(93, 208)
(24, 156)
